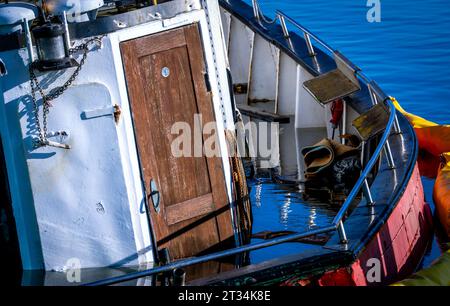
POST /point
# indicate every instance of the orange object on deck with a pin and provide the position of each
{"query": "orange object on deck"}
(441, 194)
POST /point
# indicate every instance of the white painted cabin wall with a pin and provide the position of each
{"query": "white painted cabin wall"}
(289, 80)
(288, 156)
(309, 113)
(271, 75)
(351, 116)
(264, 74)
(64, 187)
(274, 75)
(240, 52)
(226, 26)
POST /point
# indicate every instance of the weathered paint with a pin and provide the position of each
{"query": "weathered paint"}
(263, 86)
(240, 52)
(399, 245)
(88, 202)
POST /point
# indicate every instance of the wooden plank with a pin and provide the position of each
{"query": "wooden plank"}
(262, 115)
(157, 103)
(330, 87)
(189, 209)
(160, 42)
(205, 107)
(372, 122)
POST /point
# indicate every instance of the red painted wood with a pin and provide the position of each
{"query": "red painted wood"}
(340, 277)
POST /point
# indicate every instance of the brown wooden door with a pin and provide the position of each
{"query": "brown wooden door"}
(166, 84)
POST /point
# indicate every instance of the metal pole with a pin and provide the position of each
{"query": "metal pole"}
(397, 128)
(283, 26)
(179, 277)
(305, 30)
(363, 146)
(388, 152)
(342, 234)
(372, 95)
(26, 29)
(344, 121)
(67, 34)
(256, 9)
(368, 193)
(197, 260)
(309, 45)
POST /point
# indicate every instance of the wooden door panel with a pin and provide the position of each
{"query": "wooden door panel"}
(189, 209)
(205, 108)
(174, 102)
(192, 189)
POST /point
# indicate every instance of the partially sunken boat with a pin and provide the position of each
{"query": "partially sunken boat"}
(90, 96)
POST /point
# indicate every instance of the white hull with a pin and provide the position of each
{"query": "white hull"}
(87, 203)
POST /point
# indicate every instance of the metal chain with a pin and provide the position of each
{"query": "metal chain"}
(55, 93)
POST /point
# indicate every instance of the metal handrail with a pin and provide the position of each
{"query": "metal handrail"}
(337, 223)
(280, 14)
(214, 256)
(365, 173)
(308, 34)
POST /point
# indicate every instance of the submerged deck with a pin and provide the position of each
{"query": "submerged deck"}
(364, 222)
(362, 225)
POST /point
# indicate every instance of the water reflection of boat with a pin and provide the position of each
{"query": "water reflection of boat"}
(104, 188)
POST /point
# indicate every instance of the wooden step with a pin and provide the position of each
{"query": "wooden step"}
(330, 86)
(255, 113)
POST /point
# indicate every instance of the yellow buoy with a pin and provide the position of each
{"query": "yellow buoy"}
(441, 193)
(432, 137)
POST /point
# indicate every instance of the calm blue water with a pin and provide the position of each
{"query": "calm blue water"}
(407, 53)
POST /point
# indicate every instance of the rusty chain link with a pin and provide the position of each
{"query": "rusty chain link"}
(55, 93)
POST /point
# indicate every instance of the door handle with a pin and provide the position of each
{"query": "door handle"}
(155, 196)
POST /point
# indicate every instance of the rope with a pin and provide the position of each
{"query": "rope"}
(240, 190)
